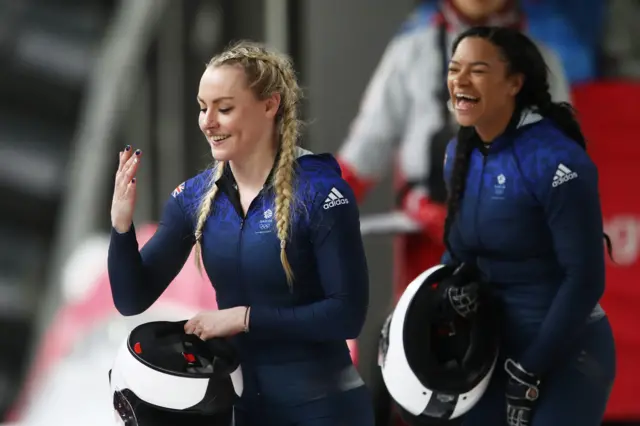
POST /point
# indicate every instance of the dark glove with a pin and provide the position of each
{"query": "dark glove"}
(522, 394)
(464, 300)
(461, 292)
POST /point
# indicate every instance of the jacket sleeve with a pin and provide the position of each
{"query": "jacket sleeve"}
(368, 149)
(139, 277)
(342, 266)
(568, 191)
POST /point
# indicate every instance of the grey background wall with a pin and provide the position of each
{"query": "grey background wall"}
(341, 44)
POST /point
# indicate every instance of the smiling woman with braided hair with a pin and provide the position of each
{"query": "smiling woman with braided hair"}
(524, 207)
(277, 231)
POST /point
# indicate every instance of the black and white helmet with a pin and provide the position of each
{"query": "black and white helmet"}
(436, 366)
(162, 376)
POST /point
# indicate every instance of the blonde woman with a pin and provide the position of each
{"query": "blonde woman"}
(277, 231)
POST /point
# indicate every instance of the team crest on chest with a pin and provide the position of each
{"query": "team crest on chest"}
(265, 225)
(499, 187)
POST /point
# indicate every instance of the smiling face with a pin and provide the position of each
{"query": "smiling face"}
(231, 117)
(481, 88)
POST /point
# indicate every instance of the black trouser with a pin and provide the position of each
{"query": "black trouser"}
(349, 408)
(574, 393)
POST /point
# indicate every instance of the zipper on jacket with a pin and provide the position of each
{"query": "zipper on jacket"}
(479, 199)
(243, 219)
(240, 237)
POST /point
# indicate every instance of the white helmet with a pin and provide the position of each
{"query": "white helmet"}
(436, 367)
(163, 376)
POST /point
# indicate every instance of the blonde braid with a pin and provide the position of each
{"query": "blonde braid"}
(204, 211)
(269, 73)
(284, 183)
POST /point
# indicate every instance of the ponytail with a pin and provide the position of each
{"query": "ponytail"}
(562, 114)
(466, 141)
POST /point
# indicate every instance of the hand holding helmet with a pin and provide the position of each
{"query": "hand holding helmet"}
(218, 323)
(162, 377)
(460, 292)
(431, 374)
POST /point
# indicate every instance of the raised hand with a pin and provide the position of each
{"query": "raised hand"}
(124, 193)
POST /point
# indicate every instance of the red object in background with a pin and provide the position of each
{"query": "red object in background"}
(358, 185)
(413, 254)
(609, 122)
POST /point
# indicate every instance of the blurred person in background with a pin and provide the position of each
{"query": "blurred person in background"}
(574, 30)
(621, 44)
(277, 230)
(524, 207)
(403, 117)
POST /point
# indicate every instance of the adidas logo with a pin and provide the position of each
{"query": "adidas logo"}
(335, 198)
(563, 174)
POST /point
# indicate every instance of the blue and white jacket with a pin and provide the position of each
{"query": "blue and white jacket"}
(296, 349)
(531, 220)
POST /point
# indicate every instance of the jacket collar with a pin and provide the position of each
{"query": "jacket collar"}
(518, 122)
(228, 181)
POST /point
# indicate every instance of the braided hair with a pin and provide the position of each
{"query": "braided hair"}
(267, 72)
(522, 57)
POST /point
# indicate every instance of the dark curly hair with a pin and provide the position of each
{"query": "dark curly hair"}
(522, 57)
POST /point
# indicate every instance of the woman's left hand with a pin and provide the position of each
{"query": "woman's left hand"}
(220, 323)
(522, 394)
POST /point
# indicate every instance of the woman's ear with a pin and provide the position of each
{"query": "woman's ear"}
(272, 105)
(517, 81)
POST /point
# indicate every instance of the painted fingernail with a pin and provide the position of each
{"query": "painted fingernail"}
(138, 152)
(127, 148)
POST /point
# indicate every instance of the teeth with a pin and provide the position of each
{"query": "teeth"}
(464, 96)
(218, 138)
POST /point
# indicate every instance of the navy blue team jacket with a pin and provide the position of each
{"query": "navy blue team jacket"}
(296, 336)
(531, 220)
